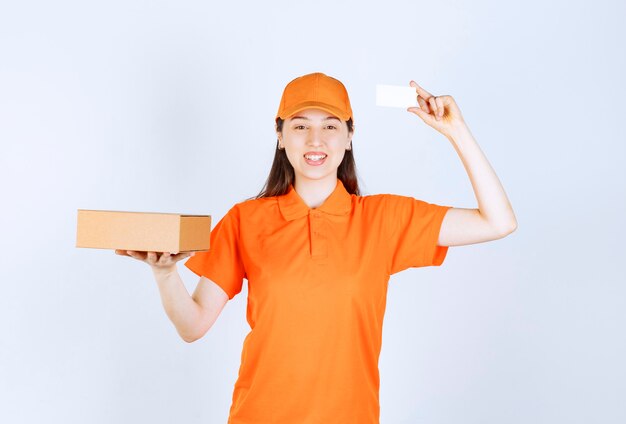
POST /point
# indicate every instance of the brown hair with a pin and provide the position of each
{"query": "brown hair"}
(282, 174)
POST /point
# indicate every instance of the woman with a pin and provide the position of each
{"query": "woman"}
(317, 256)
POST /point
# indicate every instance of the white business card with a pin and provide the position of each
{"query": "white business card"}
(396, 96)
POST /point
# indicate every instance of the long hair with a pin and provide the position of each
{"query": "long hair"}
(282, 174)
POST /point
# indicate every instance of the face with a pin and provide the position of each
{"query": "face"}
(311, 134)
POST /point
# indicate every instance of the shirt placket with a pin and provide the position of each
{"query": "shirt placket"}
(318, 238)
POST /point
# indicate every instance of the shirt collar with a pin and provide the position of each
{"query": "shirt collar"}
(338, 203)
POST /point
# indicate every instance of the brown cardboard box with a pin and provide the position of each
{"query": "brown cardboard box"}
(143, 231)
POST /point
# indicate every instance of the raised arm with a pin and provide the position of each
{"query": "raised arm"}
(494, 217)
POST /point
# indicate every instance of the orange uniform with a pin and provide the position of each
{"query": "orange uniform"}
(317, 285)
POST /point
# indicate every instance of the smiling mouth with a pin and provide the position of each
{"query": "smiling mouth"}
(315, 158)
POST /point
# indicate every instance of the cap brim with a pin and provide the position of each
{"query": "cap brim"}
(314, 105)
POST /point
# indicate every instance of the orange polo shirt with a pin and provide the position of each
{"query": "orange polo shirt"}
(317, 285)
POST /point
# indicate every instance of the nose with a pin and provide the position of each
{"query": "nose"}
(314, 137)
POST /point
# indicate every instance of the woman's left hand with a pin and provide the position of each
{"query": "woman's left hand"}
(440, 112)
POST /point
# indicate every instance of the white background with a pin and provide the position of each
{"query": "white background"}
(169, 106)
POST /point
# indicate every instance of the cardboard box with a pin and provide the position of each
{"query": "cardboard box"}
(143, 231)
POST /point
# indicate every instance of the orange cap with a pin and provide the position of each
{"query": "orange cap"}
(317, 91)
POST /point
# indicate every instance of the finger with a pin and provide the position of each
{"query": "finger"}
(426, 117)
(182, 255)
(141, 255)
(425, 94)
(433, 105)
(420, 90)
(134, 254)
(423, 104)
(440, 107)
(152, 257)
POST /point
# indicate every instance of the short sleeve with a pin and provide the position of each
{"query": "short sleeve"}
(413, 231)
(222, 263)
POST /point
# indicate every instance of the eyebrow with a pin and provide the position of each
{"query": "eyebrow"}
(325, 119)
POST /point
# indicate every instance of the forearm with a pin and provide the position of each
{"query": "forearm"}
(493, 203)
(179, 306)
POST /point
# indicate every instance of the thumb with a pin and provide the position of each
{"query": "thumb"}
(426, 117)
(182, 255)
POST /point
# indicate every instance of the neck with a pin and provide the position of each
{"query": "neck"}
(315, 192)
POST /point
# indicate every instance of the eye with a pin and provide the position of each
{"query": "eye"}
(332, 127)
(299, 126)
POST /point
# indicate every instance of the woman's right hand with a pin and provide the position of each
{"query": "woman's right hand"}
(159, 261)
